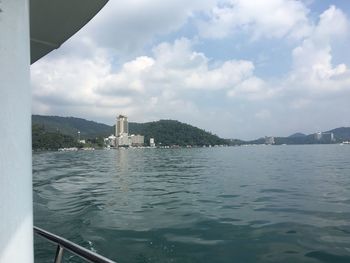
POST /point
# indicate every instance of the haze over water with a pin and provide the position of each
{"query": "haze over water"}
(234, 204)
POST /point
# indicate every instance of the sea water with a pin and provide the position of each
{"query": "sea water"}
(219, 204)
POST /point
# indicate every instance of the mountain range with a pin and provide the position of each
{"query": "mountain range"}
(166, 132)
(340, 134)
(71, 125)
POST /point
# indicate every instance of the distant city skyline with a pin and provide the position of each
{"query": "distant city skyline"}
(236, 68)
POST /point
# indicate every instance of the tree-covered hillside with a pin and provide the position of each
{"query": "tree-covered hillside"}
(170, 132)
(165, 132)
(46, 140)
(71, 126)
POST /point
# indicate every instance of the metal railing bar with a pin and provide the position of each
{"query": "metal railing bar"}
(72, 247)
(59, 254)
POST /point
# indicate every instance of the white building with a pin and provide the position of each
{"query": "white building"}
(318, 136)
(326, 137)
(123, 140)
(111, 141)
(152, 143)
(137, 140)
(269, 140)
(121, 127)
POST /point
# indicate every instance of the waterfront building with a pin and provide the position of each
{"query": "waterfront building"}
(328, 137)
(123, 140)
(122, 137)
(137, 140)
(111, 141)
(269, 140)
(325, 137)
(151, 142)
(318, 136)
(122, 132)
(122, 126)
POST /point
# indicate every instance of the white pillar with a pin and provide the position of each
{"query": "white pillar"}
(16, 213)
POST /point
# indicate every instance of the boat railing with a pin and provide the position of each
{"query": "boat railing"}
(64, 244)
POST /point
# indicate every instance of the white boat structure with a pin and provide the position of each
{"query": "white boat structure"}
(29, 29)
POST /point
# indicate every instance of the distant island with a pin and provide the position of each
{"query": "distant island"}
(54, 132)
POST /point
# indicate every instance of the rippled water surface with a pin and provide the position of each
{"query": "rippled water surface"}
(234, 204)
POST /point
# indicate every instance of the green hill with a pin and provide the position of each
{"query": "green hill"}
(170, 132)
(165, 132)
(46, 140)
(47, 129)
(71, 126)
(341, 134)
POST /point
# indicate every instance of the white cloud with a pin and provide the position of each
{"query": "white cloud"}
(260, 19)
(142, 85)
(252, 88)
(69, 86)
(228, 75)
(175, 80)
(127, 26)
(263, 114)
(129, 80)
(300, 103)
(312, 60)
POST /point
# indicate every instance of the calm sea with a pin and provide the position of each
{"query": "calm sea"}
(231, 204)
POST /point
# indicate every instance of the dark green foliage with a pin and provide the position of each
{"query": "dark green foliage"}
(98, 142)
(170, 132)
(71, 126)
(45, 140)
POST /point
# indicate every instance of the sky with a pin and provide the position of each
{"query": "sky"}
(237, 68)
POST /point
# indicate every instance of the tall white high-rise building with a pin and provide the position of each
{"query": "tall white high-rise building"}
(121, 127)
(123, 139)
